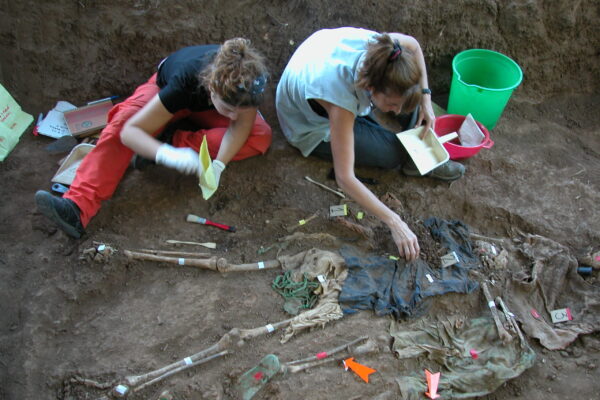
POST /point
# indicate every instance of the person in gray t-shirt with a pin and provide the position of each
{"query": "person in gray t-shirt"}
(325, 95)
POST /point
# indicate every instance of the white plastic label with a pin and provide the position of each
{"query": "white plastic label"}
(188, 361)
(561, 315)
(261, 265)
(338, 210)
(269, 328)
(181, 261)
(449, 259)
(321, 278)
(121, 389)
(429, 278)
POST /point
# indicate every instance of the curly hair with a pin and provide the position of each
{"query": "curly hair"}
(237, 74)
(390, 68)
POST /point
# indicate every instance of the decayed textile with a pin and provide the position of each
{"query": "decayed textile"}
(446, 345)
(552, 283)
(311, 264)
(401, 289)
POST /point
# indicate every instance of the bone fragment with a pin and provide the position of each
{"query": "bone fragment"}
(208, 263)
(175, 253)
(476, 236)
(367, 233)
(510, 317)
(330, 352)
(505, 337)
(297, 225)
(179, 369)
(369, 347)
(211, 263)
(234, 338)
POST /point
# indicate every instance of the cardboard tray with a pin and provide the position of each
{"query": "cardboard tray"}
(428, 153)
(87, 120)
(68, 168)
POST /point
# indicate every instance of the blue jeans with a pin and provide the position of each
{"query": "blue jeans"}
(374, 146)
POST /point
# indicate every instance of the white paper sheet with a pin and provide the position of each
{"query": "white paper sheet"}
(54, 124)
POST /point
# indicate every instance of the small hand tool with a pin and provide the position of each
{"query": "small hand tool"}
(198, 220)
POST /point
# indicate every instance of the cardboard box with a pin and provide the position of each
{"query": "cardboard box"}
(87, 120)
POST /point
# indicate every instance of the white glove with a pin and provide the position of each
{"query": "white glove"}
(183, 159)
(218, 168)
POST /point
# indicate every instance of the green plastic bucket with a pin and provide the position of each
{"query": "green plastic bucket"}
(482, 83)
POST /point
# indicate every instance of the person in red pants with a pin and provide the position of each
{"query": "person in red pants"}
(216, 87)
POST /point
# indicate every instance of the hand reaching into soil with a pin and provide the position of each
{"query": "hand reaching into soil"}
(405, 239)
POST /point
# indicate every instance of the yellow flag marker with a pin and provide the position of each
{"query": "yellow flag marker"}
(207, 181)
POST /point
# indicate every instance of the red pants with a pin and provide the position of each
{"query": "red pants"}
(103, 168)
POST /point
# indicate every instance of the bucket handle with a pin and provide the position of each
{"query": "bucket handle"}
(487, 143)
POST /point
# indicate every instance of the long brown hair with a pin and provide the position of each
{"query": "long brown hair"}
(237, 74)
(391, 69)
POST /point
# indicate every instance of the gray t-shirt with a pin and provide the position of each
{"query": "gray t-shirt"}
(325, 66)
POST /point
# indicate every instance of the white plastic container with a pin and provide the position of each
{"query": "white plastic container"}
(427, 153)
(66, 171)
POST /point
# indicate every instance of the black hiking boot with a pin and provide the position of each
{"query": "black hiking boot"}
(63, 212)
(449, 171)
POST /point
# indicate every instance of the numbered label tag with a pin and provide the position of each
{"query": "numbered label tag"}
(338, 211)
(449, 259)
(561, 315)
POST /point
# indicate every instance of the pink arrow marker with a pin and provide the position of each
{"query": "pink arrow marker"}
(432, 384)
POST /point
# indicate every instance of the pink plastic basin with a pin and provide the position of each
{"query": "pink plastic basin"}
(451, 123)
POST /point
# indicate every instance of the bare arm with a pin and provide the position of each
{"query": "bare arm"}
(137, 131)
(237, 134)
(342, 147)
(426, 112)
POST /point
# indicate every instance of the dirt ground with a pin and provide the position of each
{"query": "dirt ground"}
(62, 316)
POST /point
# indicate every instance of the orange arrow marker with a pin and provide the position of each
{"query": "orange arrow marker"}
(359, 369)
(432, 384)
